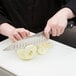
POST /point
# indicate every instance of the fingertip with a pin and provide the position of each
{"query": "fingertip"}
(13, 39)
(46, 33)
(27, 33)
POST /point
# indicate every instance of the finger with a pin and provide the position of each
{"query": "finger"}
(58, 32)
(54, 31)
(17, 36)
(47, 31)
(27, 33)
(62, 30)
(23, 33)
(13, 39)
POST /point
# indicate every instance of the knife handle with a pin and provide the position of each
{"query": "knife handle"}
(71, 24)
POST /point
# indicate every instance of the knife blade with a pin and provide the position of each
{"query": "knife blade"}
(34, 39)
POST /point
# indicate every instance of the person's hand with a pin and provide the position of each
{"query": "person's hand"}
(13, 33)
(57, 24)
(18, 34)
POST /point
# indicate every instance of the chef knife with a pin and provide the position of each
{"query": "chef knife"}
(34, 40)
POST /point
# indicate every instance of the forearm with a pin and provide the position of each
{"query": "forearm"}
(66, 12)
(6, 28)
(71, 4)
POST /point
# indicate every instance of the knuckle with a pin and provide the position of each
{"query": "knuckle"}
(15, 34)
(59, 34)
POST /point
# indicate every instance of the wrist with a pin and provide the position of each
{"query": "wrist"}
(67, 12)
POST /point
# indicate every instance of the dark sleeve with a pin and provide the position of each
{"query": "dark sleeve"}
(72, 5)
(3, 16)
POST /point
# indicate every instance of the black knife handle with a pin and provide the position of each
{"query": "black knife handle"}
(71, 24)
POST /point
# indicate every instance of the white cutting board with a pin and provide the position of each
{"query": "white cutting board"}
(59, 61)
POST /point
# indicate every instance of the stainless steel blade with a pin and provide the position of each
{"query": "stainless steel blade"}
(34, 39)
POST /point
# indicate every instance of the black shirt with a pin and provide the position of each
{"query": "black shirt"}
(30, 14)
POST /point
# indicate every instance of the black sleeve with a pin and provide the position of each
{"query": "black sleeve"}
(3, 16)
(72, 5)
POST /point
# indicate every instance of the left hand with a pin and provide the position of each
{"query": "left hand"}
(57, 24)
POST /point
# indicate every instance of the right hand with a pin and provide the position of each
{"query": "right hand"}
(57, 24)
(15, 34)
